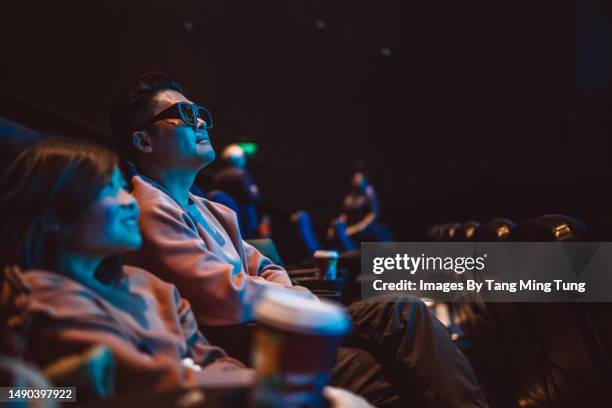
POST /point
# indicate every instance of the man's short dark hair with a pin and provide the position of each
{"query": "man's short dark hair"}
(132, 103)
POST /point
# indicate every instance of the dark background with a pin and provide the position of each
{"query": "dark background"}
(475, 109)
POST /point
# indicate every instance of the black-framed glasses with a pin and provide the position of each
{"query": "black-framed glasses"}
(187, 112)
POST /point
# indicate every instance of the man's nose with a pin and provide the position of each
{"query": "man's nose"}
(201, 123)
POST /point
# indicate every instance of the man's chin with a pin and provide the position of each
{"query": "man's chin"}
(208, 156)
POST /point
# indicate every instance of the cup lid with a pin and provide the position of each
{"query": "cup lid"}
(326, 254)
(294, 313)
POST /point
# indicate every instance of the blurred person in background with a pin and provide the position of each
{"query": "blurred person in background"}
(236, 180)
(360, 214)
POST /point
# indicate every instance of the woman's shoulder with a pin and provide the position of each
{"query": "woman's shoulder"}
(146, 283)
(58, 297)
(48, 283)
(51, 294)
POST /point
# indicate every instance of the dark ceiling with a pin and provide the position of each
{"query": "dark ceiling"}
(436, 96)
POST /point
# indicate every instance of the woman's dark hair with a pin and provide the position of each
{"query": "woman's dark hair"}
(131, 104)
(47, 187)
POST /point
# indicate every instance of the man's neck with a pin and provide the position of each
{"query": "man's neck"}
(176, 182)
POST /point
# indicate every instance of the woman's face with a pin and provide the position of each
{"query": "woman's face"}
(110, 225)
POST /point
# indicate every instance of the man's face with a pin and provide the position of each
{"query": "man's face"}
(175, 143)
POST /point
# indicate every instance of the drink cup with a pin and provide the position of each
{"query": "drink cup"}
(295, 348)
(326, 263)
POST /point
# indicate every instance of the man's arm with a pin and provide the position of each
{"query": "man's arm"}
(176, 253)
(272, 272)
(262, 266)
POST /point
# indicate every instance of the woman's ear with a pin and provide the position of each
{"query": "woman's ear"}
(142, 141)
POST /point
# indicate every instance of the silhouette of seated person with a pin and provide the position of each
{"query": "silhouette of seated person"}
(360, 213)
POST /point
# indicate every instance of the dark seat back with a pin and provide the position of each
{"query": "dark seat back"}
(268, 249)
(465, 232)
(548, 352)
(497, 229)
(548, 228)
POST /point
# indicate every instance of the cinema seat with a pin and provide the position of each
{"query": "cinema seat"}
(599, 231)
(435, 232)
(541, 354)
(267, 248)
(479, 317)
(449, 231)
(497, 229)
(13, 138)
(305, 231)
(548, 228)
(466, 231)
(443, 232)
(335, 287)
(596, 316)
(338, 238)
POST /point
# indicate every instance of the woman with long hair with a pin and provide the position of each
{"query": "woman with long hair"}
(65, 221)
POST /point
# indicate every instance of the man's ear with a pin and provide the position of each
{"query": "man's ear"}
(142, 141)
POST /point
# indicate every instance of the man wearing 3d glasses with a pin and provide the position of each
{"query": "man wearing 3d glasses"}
(398, 349)
(166, 138)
